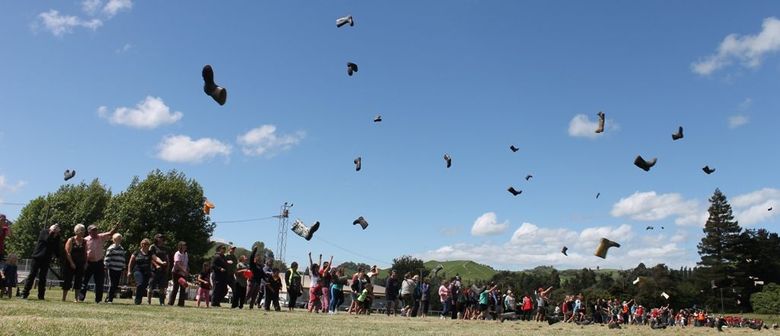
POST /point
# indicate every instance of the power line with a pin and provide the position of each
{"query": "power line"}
(245, 220)
(353, 252)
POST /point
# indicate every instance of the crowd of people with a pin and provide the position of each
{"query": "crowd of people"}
(490, 303)
(256, 282)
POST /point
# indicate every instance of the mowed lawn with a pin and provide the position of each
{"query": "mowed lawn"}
(53, 317)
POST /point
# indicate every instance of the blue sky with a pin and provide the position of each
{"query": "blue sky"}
(113, 89)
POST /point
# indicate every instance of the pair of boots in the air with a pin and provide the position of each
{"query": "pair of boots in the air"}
(302, 230)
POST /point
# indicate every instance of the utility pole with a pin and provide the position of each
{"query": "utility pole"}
(284, 224)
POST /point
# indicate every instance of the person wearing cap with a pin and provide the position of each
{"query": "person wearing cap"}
(95, 263)
(48, 245)
(160, 269)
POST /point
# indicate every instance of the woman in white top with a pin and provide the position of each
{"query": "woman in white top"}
(181, 270)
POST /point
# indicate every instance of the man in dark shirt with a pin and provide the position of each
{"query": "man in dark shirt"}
(219, 267)
(48, 244)
(232, 263)
(392, 285)
(160, 271)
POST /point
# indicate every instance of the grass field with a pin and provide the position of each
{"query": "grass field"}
(52, 318)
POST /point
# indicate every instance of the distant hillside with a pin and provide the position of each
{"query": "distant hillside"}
(468, 270)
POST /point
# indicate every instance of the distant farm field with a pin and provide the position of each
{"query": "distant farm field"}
(53, 317)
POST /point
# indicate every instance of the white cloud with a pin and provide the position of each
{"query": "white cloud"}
(114, 6)
(581, 126)
(6, 186)
(124, 48)
(738, 120)
(531, 246)
(748, 49)
(657, 253)
(91, 6)
(752, 208)
(529, 234)
(749, 209)
(649, 206)
(590, 237)
(59, 25)
(150, 113)
(182, 149)
(264, 140)
(487, 224)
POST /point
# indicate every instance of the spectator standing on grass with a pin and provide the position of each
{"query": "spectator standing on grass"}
(356, 286)
(273, 287)
(9, 277)
(256, 282)
(204, 285)
(239, 290)
(75, 262)
(407, 290)
(315, 292)
(444, 298)
(392, 286)
(115, 264)
(48, 245)
(5, 231)
(180, 271)
(140, 268)
(458, 306)
(337, 290)
(425, 297)
(160, 269)
(294, 285)
(527, 306)
(96, 268)
(230, 277)
(541, 303)
(219, 267)
(326, 282)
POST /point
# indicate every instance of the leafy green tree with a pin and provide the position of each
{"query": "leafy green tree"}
(167, 203)
(767, 301)
(71, 204)
(404, 264)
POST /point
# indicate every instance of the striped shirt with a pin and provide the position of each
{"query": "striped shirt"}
(115, 257)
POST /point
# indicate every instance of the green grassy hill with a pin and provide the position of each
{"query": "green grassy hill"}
(468, 270)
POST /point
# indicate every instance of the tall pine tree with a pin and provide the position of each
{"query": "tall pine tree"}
(718, 247)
